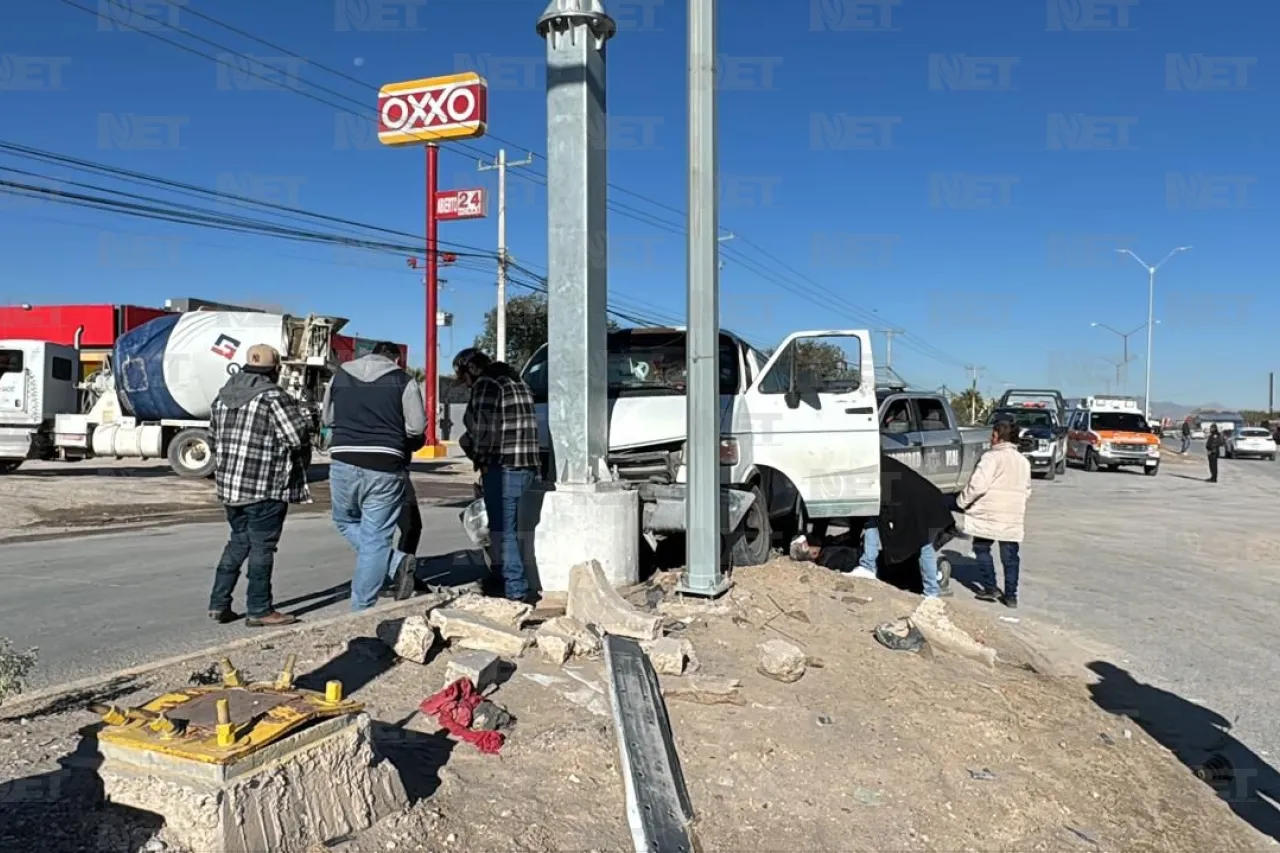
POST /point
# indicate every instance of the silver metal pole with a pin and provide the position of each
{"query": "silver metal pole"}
(502, 254)
(703, 541)
(1151, 329)
(576, 32)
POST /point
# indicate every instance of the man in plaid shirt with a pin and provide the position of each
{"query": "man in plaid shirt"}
(502, 440)
(261, 441)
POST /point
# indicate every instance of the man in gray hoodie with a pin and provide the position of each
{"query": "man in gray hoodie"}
(376, 412)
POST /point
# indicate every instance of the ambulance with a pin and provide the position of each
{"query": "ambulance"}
(1109, 432)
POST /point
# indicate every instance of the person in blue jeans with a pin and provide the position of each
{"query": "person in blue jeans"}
(378, 419)
(502, 440)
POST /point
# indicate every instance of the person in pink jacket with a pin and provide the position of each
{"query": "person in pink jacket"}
(994, 507)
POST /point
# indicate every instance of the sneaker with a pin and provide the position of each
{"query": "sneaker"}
(987, 593)
(1009, 601)
(404, 579)
(274, 619)
(861, 572)
(224, 616)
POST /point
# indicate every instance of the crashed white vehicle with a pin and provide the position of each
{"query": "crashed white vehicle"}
(799, 430)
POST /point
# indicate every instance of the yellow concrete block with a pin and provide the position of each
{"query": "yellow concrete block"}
(437, 451)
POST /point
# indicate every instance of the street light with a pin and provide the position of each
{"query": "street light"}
(1124, 336)
(1151, 310)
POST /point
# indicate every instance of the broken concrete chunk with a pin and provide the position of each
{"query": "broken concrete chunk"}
(593, 601)
(704, 691)
(481, 668)
(411, 638)
(470, 631)
(499, 611)
(693, 609)
(554, 647)
(931, 620)
(782, 661)
(668, 655)
(582, 640)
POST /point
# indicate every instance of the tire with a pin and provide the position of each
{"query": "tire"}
(1152, 471)
(1271, 458)
(1062, 466)
(190, 454)
(1052, 473)
(753, 540)
(8, 466)
(1090, 461)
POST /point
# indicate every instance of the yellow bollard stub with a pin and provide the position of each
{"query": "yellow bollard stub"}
(230, 675)
(333, 692)
(285, 681)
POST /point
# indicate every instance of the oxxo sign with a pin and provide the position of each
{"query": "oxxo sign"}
(461, 204)
(433, 110)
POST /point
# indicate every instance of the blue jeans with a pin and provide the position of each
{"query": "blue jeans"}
(255, 533)
(366, 511)
(503, 488)
(928, 558)
(1010, 559)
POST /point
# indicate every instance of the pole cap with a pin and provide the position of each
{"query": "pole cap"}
(563, 14)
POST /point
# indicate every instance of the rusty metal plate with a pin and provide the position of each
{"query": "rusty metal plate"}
(245, 706)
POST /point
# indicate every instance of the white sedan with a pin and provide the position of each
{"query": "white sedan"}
(1251, 441)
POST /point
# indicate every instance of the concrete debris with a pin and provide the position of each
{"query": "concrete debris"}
(491, 717)
(554, 647)
(469, 631)
(704, 690)
(693, 609)
(930, 619)
(580, 640)
(326, 782)
(411, 638)
(480, 668)
(782, 661)
(593, 601)
(499, 611)
(668, 655)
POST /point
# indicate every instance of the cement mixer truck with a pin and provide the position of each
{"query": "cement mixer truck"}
(151, 399)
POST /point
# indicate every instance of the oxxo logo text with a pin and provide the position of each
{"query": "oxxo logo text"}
(958, 72)
(449, 108)
(32, 73)
(129, 251)
(134, 132)
(245, 73)
(140, 15)
(377, 16)
(271, 189)
(1084, 16)
(1088, 251)
(852, 15)
(1080, 132)
(1196, 72)
(961, 191)
(847, 250)
(1198, 191)
(845, 132)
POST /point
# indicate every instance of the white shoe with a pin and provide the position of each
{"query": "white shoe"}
(861, 572)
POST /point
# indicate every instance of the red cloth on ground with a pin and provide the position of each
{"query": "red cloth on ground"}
(453, 707)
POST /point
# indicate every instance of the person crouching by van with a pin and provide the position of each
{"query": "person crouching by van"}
(994, 508)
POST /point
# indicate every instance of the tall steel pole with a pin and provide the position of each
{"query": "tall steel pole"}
(1151, 312)
(433, 267)
(1124, 337)
(703, 574)
(501, 165)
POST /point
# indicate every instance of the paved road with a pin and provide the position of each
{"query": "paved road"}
(1176, 581)
(94, 604)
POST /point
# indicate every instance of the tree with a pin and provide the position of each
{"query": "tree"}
(971, 407)
(526, 329)
(821, 359)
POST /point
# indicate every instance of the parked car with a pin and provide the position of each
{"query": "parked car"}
(1251, 441)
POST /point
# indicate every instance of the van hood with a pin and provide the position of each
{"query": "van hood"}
(1125, 436)
(643, 421)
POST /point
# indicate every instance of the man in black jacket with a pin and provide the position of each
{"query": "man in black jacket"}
(378, 420)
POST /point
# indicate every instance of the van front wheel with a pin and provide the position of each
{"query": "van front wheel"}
(753, 539)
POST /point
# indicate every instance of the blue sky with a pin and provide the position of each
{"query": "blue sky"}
(962, 171)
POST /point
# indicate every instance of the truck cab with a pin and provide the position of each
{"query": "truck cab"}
(1041, 416)
(37, 382)
(922, 430)
(799, 429)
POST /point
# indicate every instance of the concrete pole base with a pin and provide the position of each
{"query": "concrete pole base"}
(325, 782)
(577, 524)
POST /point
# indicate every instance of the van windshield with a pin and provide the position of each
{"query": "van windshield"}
(1119, 422)
(645, 362)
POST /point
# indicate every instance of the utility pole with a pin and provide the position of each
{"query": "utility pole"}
(974, 370)
(889, 335)
(1271, 394)
(501, 165)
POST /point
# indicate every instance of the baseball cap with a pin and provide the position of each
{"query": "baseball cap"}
(262, 355)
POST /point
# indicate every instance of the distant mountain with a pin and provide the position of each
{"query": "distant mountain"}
(1178, 411)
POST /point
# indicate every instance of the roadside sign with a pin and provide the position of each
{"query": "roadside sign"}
(461, 204)
(435, 109)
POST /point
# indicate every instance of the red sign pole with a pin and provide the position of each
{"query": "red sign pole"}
(432, 369)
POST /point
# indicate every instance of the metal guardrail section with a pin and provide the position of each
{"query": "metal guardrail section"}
(658, 807)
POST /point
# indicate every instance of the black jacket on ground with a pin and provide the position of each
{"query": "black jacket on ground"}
(913, 511)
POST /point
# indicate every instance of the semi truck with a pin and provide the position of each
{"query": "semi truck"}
(151, 398)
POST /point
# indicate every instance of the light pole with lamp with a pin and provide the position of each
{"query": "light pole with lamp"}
(1124, 337)
(1151, 311)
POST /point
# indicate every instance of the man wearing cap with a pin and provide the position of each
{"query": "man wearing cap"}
(379, 420)
(261, 441)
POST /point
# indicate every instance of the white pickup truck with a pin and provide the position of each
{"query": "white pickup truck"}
(800, 431)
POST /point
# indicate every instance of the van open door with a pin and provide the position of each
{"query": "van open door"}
(812, 416)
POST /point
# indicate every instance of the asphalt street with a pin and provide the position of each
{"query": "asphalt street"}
(94, 604)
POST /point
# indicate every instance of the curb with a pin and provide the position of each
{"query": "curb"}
(49, 694)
